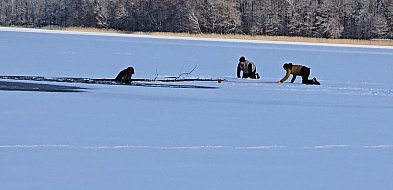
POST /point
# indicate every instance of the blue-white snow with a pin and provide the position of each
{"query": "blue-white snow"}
(243, 135)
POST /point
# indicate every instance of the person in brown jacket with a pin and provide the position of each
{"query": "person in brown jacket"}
(249, 69)
(298, 70)
(125, 75)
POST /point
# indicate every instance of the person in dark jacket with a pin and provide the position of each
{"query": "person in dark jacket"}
(298, 70)
(249, 69)
(125, 75)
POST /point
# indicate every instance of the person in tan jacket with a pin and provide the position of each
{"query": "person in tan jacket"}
(298, 70)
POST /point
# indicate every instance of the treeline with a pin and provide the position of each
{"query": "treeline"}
(353, 19)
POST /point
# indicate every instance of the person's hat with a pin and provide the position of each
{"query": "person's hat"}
(131, 69)
(287, 65)
(242, 59)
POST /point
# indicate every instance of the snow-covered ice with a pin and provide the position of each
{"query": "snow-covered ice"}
(243, 135)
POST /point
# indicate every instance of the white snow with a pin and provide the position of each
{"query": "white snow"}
(243, 135)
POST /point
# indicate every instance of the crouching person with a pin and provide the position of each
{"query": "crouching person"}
(125, 75)
(298, 70)
(249, 69)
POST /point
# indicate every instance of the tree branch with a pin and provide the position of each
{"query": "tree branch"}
(186, 73)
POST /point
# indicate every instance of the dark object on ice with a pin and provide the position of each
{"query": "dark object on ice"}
(298, 70)
(249, 69)
(125, 75)
(22, 86)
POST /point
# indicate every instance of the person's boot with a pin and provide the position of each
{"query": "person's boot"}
(315, 81)
(257, 76)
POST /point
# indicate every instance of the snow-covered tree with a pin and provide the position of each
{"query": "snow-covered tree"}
(360, 19)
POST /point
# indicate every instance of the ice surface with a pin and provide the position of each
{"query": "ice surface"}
(244, 135)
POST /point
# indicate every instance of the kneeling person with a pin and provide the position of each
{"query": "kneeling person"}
(249, 69)
(125, 75)
(298, 70)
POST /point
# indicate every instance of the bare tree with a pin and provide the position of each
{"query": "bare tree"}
(216, 16)
(359, 19)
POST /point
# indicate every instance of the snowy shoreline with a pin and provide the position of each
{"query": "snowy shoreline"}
(33, 30)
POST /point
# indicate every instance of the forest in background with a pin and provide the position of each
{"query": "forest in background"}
(338, 19)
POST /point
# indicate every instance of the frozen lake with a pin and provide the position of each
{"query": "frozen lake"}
(243, 135)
